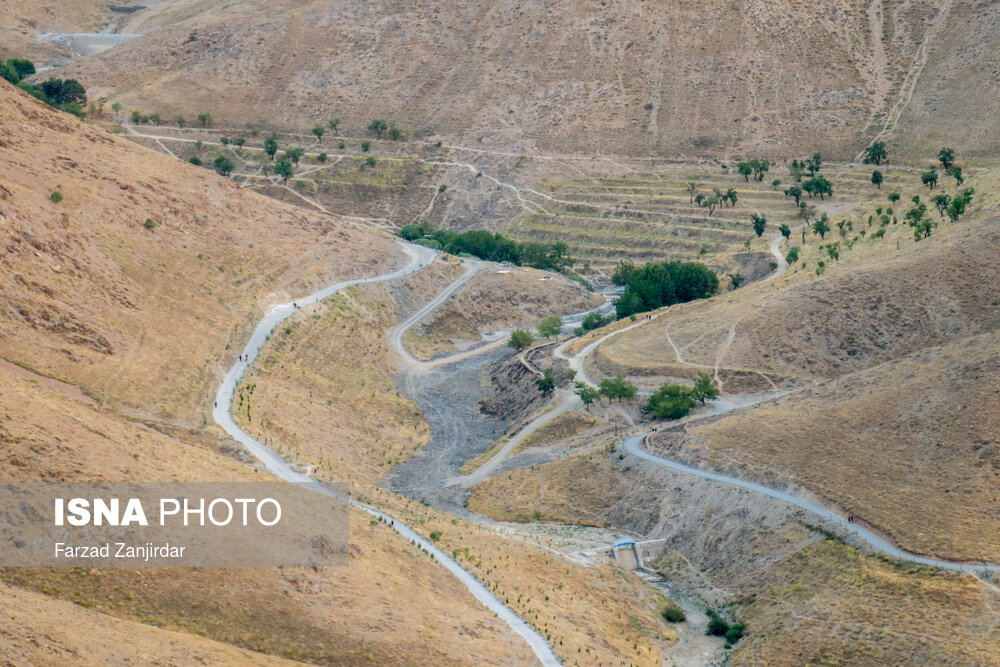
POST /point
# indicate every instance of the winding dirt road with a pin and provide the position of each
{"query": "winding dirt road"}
(277, 465)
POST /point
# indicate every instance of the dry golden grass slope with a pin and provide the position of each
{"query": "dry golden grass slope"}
(141, 318)
(911, 447)
(135, 319)
(625, 77)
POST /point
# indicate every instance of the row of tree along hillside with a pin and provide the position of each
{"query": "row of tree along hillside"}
(491, 247)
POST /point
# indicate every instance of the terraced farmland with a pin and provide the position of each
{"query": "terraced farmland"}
(653, 215)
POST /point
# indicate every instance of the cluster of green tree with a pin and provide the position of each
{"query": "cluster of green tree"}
(16, 69)
(65, 94)
(378, 127)
(717, 198)
(756, 168)
(593, 320)
(947, 158)
(718, 627)
(492, 247)
(673, 401)
(616, 388)
(657, 284)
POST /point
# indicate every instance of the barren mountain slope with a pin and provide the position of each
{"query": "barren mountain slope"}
(621, 77)
(118, 311)
(954, 102)
(138, 316)
(911, 447)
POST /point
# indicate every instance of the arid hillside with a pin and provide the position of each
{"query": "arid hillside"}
(121, 313)
(625, 77)
(129, 274)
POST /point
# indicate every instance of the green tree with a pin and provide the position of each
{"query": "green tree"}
(759, 224)
(705, 389)
(550, 326)
(239, 141)
(411, 232)
(792, 256)
(785, 230)
(154, 118)
(818, 185)
(547, 382)
(22, 67)
(893, 197)
(284, 168)
(732, 196)
(321, 157)
(223, 165)
(295, 154)
(587, 393)
(56, 197)
(365, 145)
(745, 170)
(394, 133)
(370, 162)
(224, 141)
(205, 119)
(618, 388)
(671, 401)
(378, 127)
(333, 125)
(137, 118)
(775, 183)
(814, 164)
(876, 153)
(956, 209)
(710, 203)
(691, 188)
(946, 156)
(795, 170)
(319, 131)
(929, 178)
(271, 145)
(877, 179)
(941, 202)
(117, 106)
(181, 122)
(759, 167)
(794, 190)
(736, 279)
(520, 339)
(821, 226)
(956, 172)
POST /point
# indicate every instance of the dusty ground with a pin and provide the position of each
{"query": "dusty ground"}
(495, 301)
(805, 599)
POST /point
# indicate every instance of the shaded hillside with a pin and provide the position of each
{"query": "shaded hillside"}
(621, 77)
